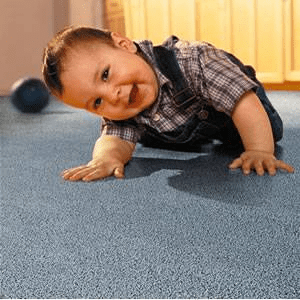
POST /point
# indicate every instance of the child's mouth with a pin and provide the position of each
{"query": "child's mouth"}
(133, 94)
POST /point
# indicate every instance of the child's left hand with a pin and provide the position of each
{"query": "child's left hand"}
(260, 162)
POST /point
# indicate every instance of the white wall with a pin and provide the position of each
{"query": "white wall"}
(25, 28)
(27, 25)
(86, 12)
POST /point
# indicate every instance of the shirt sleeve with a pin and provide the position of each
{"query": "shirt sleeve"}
(224, 82)
(126, 130)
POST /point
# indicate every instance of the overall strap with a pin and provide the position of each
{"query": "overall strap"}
(168, 65)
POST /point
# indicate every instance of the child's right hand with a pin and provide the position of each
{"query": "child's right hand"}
(110, 156)
(96, 169)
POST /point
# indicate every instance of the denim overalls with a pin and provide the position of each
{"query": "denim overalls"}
(207, 123)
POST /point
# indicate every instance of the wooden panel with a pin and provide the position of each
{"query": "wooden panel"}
(115, 23)
(135, 19)
(243, 30)
(113, 6)
(213, 22)
(292, 40)
(183, 19)
(128, 17)
(263, 33)
(269, 40)
(296, 35)
(157, 20)
(114, 16)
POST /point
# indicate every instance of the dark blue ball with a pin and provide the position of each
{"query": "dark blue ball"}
(29, 95)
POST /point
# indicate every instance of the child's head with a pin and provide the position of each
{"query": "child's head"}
(99, 71)
(59, 47)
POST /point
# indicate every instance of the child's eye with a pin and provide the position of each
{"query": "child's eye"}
(97, 103)
(105, 74)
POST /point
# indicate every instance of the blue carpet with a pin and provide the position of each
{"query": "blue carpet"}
(181, 225)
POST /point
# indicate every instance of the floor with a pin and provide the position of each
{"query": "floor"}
(181, 225)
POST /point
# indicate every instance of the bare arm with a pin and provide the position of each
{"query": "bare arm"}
(110, 156)
(254, 127)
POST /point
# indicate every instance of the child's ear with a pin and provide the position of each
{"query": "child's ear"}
(123, 42)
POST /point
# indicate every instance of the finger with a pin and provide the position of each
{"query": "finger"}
(284, 166)
(81, 174)
(246, 167)
(102, 173)
(119, 172)
(70, 172)
(258, 166)
(97, 174)
(77, 173)
(237, 163)
(270, 167)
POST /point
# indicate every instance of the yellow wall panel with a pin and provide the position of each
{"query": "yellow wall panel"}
(243, 30)
(139, 29)
(269, 40)
(262, 33)
(135, 19)
(292, 40)
(183, 21)
(296, 34)
(213, 22)
(158, 20)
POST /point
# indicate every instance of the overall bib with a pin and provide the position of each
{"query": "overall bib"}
(207, 123)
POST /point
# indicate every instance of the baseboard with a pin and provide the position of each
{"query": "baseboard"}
(285, 86)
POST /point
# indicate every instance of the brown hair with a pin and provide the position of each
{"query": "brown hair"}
(57, 49)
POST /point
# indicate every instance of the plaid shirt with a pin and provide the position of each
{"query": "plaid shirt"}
(212, 76)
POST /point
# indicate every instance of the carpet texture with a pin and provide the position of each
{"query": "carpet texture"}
(181, 225)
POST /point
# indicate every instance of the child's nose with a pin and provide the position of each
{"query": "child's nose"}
(115, 95)
(112, 94)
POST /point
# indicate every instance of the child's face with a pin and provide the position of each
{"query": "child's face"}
(113, 82)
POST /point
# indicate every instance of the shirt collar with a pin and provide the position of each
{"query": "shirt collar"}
(145, 49)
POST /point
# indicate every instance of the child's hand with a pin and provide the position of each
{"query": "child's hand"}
(110, 156)
(260, 162)
(94, 170)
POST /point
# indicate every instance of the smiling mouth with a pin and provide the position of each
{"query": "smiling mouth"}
(133, 95)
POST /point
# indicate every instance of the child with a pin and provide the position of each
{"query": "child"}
(179, 93)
